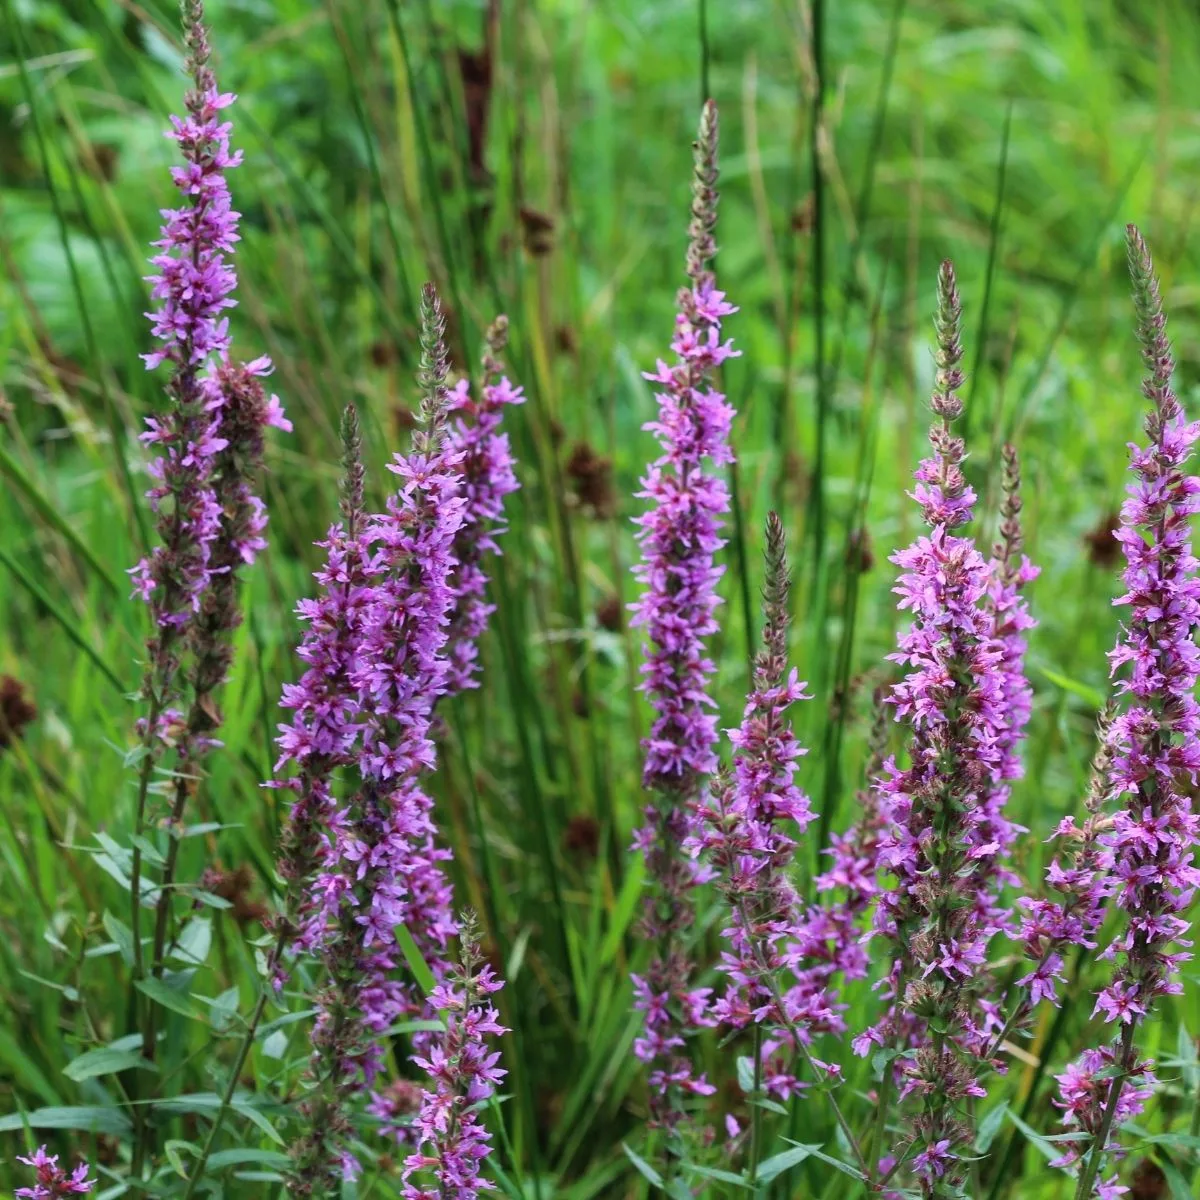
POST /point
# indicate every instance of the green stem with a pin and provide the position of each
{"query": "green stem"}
(234, 1074)
(1087, 1175)
(756, 1113)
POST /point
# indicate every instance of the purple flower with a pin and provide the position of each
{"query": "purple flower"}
(52, 1181)
(452, 1141)
(486, 465)
(963, 703)
(1154, 744)
(679, 537)
(193, 288)
(751, 824)
(378, 665)
(1083, 1096)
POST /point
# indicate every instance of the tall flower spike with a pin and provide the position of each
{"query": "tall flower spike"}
(751, 826)
(383, 867)
(1155, 741)
(680, 537)
(938, 918)
(320, 740)
(193, 288)
(486, 465)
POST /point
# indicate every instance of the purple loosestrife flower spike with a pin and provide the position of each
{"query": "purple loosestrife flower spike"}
(751, 825)
(320, 740)
(53, 1183)
(487, 469)
(1155, 741)
(193, 288)
(939, 916)
(679, 537)
(382, 869)
(452, 1141)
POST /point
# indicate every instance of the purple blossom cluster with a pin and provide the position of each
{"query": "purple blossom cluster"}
(193, 288)
(751, 825)
(363, 864)
(679, 537)
(451, 1140)
(53, 1182)
(963, 705)
(1153, 746)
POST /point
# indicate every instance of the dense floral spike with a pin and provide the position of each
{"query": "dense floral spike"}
(487, 469)
(382, 867)
(751, 823)
(325, 725)
(452, 1141)
(321, 739)
(940, 915)
(193, 287)
(53, 1182)
(1155, 741)
(679, 537)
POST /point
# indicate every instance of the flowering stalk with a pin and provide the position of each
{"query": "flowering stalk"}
(679, 536)
(452, 1142)
(486, 465)
(750, 826)
(939, 916)
(244, 411)
(381, 865)
(749, 823)
(1154, 742)
(53, 1183)
(193, 287)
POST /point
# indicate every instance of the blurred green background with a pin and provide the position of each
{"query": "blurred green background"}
(532, 157)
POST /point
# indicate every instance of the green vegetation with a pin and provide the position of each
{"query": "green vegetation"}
(532, 158)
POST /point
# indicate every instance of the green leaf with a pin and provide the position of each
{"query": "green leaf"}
(257, 1118)
(276, 1045)
(105, 1060)
(1044, 1144)
(990, 1126)
(775, 1166)
(245, 1155)
(195, 941)
(1093, 697)
(67, 622)
(279, 1022)
(172, 1150)
(121, 934)
(845, 1168)
(1180, 1188)
(745, 1074)
(644, 1169)
(168, 997)
(416, 961)
(82, 1119)
(714, 1173)
(1186, 1049)
(223, 1009)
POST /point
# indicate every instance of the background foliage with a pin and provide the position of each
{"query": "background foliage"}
(533, 157)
